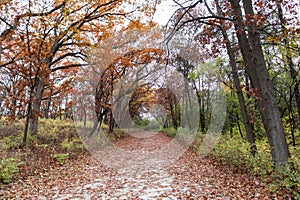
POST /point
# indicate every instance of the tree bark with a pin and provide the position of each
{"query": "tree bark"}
(111, 122)
(27, 120)
(36, 106)
(200, 104)
(236, 80)
(293, 71)
(245, 117)
(255, 67)
(173, 113)
(47, 109)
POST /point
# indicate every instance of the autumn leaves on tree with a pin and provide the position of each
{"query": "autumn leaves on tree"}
(48, 42)
(50, 50)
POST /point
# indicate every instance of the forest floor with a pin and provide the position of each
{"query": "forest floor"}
(189, 177)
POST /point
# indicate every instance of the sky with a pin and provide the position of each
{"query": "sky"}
(164, 12)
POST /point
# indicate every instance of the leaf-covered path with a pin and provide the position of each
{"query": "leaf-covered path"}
(190, 177)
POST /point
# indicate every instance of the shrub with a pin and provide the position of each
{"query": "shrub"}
(71, 145)
(237, 152)
(119, 133)
(11, 134)
(286, 177)
(171, 131)
(141, 122)
(52, 131)
(61, 157)
(13, 141)
(8, 166)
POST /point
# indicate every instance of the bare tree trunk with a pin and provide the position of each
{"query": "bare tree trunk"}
(173, 114)
(232, 60)
(47, 111)
(27, 120)
(201, 110)
(111, 122)
(256, 69)
(293, 71)
(240, 131)
(208, 109)
(297, 96)
(84, 118)
(36, 105)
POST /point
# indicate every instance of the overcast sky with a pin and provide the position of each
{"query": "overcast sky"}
(164, 12)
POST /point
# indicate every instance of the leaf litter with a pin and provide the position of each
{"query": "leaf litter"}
(190, 177)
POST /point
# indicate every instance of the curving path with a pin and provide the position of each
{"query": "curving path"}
(190, 177)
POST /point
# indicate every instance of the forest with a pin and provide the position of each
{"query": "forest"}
(216, 88)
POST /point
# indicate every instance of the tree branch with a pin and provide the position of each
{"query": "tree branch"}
(68, 67)
(70, 54)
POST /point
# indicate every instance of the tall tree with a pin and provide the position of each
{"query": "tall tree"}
(255, 66)
(233, 63)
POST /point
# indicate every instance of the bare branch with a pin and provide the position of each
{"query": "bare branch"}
(70, 54)
(204, 20)
(16, 22)
(68, 67)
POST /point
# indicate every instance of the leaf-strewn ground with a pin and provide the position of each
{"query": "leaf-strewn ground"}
(190, 177)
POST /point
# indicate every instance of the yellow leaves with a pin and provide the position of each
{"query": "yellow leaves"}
(274, 39)
(143, 96)
(4, 3)
(148, 11)
(143, 28)
(135, 24)
(226, 86)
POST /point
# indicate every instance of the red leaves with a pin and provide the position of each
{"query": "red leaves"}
(259, 4)
(254, 92)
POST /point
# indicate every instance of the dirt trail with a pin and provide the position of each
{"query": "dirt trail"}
(190, 177)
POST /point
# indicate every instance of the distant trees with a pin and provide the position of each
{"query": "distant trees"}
(111, 75)
(170, 102)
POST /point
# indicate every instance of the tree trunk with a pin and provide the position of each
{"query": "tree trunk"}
(36, 105)
(201, 111)
(27, 120)
(293, 71)
(84, 118)
(256, 69)
(241, 133)
(47, 110)
(111, 122)
(173, 113)
(208, 108)
(248, 128)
